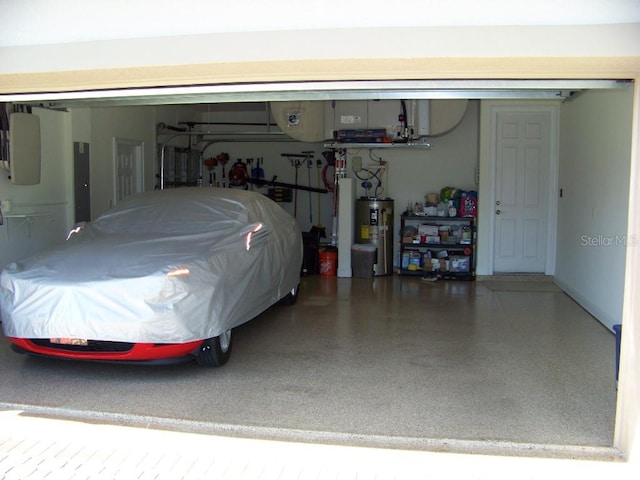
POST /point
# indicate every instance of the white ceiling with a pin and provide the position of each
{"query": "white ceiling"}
(40, 22)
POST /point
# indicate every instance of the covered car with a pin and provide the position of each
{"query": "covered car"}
(164, 275)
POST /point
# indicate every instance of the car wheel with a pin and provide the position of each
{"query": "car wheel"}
(214, 352)
(291, 297)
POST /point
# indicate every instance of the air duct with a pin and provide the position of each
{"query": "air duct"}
(303, 121)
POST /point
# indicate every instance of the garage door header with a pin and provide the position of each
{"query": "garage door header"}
(338, 90)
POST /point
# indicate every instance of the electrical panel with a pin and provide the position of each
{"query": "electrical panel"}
(24, 148)
(399, 118)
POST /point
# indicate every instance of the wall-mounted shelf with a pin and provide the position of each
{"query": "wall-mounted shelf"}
(26, 219)
(353, 146)
(27, 215)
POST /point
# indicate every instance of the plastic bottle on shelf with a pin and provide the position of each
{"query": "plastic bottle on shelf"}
(466, 235)
(452, 209)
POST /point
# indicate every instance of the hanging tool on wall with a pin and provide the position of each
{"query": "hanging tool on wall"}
(238, 175)
(339, 158)
(296, 160)
(223, 159)
(257, 173)
(309, 162)
(319, 225)
(296, 163)
(250, 170)
(328, 172)
(211, 164)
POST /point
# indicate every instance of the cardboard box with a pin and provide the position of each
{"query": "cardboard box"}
(439, 265)
(460, 263)
(429, 230)
(410, 258)
(370, 135)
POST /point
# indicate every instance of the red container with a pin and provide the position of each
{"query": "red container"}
(328, 260)
(468, 204)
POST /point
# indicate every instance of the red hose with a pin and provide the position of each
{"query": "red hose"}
(329, 185)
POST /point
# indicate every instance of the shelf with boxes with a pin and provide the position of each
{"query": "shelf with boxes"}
(437, 246)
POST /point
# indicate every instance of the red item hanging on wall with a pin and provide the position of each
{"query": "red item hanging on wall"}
(239, 175)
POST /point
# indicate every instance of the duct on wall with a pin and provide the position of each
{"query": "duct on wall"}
(303, 121)
(315, 120)
(443, 116)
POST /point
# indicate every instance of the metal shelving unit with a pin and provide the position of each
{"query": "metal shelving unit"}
(451, 258)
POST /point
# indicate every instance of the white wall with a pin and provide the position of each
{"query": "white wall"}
(148, 18)
(595, 149)
(81, 125)
(412, 172)
(131, 123)
(50, 202)
(156, 48)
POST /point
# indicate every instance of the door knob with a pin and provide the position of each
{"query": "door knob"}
(498, 212)
(498, 202)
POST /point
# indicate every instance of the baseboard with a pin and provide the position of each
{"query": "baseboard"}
(603, 317)
(516, 277)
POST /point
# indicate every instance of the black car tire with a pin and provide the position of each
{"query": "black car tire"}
(291, 297)
(214, 352)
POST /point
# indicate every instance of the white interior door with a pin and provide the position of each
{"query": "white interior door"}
(128, 155)
(523, 152)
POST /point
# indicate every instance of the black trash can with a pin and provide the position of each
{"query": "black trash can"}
(310, 244)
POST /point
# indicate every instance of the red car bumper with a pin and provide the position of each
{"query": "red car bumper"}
(101, 351)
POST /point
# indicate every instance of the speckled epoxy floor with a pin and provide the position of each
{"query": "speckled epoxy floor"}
(390, 361)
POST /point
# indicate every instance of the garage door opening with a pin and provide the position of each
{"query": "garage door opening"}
(230, 101)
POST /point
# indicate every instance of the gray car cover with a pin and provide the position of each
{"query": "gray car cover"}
(168, 266)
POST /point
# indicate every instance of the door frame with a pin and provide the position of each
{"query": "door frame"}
(139, 164)
(81, 151)
(489, 110)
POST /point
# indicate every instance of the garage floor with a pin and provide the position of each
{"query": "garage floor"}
(390, 361)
